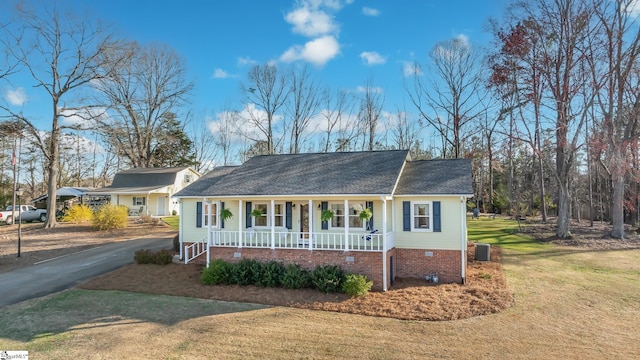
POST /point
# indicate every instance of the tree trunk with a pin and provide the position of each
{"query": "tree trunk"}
(564, 201)
(617, 208)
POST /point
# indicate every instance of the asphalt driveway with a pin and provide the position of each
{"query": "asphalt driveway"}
(67, 271)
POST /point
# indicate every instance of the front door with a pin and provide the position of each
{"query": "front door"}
(304, 221)
(161, 205)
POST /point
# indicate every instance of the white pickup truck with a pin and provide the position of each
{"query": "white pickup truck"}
(27, 213)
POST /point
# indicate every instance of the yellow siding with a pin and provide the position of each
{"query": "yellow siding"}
(448, 239)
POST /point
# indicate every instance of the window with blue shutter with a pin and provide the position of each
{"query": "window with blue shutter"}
(436, 217)
(289, 215)
(221, 219)
(406, 215)
(199, 214)
(370, 223)
(324, 206)
(248, 215)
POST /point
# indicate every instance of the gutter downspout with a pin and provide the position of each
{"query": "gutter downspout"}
(181, 229)
(209, 218)
(463, 237)
(384, 244)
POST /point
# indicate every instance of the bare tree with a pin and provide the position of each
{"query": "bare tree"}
(336, 115)
(267, 91)
(62, 53)
(369, 113)
(405, 131)
(451, 100)
(303, 104)
(615, 49)
(144, 88)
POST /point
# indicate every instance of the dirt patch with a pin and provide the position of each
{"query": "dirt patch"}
(39, 244)
(583, 234)
(484, 293)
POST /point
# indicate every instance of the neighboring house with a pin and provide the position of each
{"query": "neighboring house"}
(418, 225)
(148, 191)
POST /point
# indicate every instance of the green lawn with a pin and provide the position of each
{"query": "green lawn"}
(173, 221)
(569, 303)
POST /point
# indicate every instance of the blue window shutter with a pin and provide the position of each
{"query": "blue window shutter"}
(324, 206)
(436, 217)
(288, 215)
(199, 214)
(370, 223)
(221, 219)
(406, 215)
(248, 215)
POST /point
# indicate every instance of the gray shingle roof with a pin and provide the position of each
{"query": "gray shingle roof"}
(140, 180)
(209, 179)
(374, 172)
(436, 177)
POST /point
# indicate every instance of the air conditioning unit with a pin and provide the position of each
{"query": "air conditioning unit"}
(483, 252)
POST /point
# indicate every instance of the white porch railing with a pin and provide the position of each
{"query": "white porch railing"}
(194, 250)
(303, 240)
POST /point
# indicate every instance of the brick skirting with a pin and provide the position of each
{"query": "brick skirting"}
(416, 263)
(403, 263)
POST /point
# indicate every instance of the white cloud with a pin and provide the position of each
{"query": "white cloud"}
(16, 97)
(370, 11)
(411, 68)
(317, 51)
(633, 8)
(372, 58)
(244, 61)
(83, 118)
(220, 74)
(242, 123)
(311, 22)
(463, 39)
(374, 89)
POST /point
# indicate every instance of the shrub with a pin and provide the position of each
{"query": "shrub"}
(356, 285)
(110, 217)
(146, 256)
(176, 243)
(78, 214)
(174, 212)
(246, 272)
(295, 277)
(270, 274)
(217, 272)
(327, 278)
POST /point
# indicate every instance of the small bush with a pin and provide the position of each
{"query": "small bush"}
(217, 272)
(270, 274)
(146, 256)
(176, 243)
(174, 212)
(246, 272)
(110, 217)
(327, 278)
(295, 277)
(356, 285)
(78, 214)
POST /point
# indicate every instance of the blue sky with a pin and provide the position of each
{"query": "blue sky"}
(345, 42)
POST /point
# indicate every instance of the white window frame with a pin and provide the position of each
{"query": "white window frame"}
(268, 214)
(214, 215)
(347, 215)
(188, 178)
(144, 201)
(413, 215)
(280, 215)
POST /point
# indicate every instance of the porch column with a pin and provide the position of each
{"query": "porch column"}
(240, 216)
(384, 244)
(146, 208)
(181, 228)
(311, 212)
(346, 224)
(209, 234)
(272, 216)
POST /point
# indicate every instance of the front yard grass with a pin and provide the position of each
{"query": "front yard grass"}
(569, 303)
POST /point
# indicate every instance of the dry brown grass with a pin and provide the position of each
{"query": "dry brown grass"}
(39, 244)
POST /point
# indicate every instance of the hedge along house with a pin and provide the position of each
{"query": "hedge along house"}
(147, 191)
(417, 227)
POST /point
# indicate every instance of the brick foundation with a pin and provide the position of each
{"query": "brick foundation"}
(403, 263)
(416, 263)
